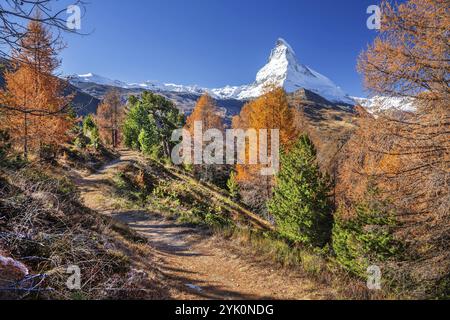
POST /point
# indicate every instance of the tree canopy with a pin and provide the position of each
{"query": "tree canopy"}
(151, 120)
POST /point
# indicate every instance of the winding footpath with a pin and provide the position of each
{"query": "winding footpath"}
(197, 265)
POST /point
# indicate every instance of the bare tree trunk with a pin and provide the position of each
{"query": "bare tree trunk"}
(113, 142)
(25, 138)
(166, 149)
(115, 115)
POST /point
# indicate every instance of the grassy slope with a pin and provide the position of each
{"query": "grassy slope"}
(44, 225)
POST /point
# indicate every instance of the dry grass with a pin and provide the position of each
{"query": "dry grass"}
(44, 226)
(317, 265)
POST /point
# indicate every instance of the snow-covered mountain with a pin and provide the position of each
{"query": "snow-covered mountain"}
(282, 69)
(378, 104)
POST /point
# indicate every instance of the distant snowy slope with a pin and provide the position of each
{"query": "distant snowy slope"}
(94, 78)
(380, 104)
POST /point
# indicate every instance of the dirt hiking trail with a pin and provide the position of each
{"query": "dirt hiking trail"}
(195, 264)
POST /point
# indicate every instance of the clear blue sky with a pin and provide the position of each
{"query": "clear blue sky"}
(213, 43)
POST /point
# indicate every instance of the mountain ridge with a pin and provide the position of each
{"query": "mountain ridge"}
(282, 69)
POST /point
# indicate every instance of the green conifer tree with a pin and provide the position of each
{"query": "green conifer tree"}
(90, 130)
(300, 204)
(233, 186)
(157, 117)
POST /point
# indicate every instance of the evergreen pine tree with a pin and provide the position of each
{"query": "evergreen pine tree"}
(149, 141)
(157, 116)
(90, 130)
(233, 186)
(300, 203)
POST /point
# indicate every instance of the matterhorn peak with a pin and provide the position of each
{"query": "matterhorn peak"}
(282, 65)
(283, 69)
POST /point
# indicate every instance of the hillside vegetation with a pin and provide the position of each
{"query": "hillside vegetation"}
(356, 206)
(45, 226)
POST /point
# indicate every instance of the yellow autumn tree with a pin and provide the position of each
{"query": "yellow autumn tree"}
(207, 112)
(397, 164)
(109, 116)
(210, 116)
(410, 59)
(270, 111)
(36, 110)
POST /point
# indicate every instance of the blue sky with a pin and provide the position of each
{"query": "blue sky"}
(213, 43)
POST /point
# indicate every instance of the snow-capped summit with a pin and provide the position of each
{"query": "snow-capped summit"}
(282, 66)
(282, 69)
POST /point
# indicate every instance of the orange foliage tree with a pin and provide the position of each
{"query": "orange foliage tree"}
(210, 116)
(410, 58)
(270, 111)
(207, 112)
(36, 111)
(405, 156)
(109, 117)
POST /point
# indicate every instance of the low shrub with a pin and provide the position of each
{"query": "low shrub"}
(365, 239)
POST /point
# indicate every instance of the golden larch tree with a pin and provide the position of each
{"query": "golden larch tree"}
(405, 156)
(36, 109)
(109, 118)
(208, 113)
(270, 111)
(410, 58)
